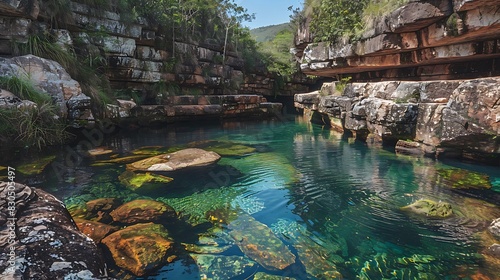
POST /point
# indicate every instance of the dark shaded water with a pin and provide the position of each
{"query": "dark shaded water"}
(335, 203)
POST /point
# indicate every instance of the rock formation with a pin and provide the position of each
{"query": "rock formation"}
(42, 241)
(425, 73)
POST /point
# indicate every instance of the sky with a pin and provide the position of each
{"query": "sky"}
(268, 12)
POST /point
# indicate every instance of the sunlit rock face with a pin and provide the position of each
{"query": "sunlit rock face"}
(421, 40)
(47, 243)
(446, 117)
(51, 78)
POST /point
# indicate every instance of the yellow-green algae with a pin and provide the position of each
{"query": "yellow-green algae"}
(463, 179)
(136, 181)
(429, 207)
(35, 167)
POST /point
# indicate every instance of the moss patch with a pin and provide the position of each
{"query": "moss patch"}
(136, 181)
(463, 179)
(430, 208)
(223, 148)
(35, 167)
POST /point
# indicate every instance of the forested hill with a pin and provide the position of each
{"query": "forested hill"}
(268, 33)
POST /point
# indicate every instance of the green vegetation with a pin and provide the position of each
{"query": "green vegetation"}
(268, 33)
(333, 20)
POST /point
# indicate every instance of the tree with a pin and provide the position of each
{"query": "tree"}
(231, 16)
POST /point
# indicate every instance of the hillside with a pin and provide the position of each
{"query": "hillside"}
(267, 33)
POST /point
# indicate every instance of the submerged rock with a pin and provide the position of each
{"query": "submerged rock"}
(430, 208)
(35, 167)
(95, 230)
(140, 248)
(223, 148)
(259, 243)
(463, 179)
(221, 267)
(98, 209)
(47, 243)
(176, 160)
(143, 210)
(136, 181)
(99, 151)
(205, 249)
(318, 261)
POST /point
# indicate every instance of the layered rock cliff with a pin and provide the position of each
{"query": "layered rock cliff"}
(424, 79)
(138, 58)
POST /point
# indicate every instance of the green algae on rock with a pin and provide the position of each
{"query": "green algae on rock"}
(136, 181)
(463, 179)
(205, 249)
(194, 207)
(174, 161)
(35, 167)
(429, 208)
(222, 267)
(223, 148)
(143, 210)
(258, 242)
(140, 248)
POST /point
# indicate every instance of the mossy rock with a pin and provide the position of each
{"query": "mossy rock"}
(222, 267)
(463, 179)
(140, 248)
(35, 167)
(135, 181)
(143, 210)
(223, 148)
(175, 161)
(430, 208)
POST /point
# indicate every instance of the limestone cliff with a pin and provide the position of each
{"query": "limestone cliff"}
(424, 78)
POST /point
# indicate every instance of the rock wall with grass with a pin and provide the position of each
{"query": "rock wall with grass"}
(112, 59)
(424, 78)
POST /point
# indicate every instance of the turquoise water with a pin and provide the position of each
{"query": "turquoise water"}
(334, 203)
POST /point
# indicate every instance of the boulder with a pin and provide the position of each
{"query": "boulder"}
(50, 77)
(258, 242)
(177, 160)
(99, 209)
(47, 243)
(143, 210)
(140, 248)
(430, 208)
(95, 230)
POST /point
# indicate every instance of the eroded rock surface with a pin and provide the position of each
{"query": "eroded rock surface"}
(176, 160)
(140, 248)
(46, 242)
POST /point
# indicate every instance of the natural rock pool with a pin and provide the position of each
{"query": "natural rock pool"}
(287, 198)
